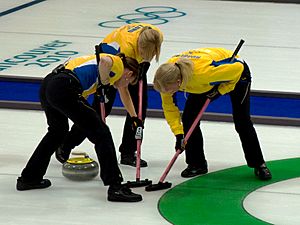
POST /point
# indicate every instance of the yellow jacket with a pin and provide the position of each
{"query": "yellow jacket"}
(212, 67)
(124, 39)
(85, 68)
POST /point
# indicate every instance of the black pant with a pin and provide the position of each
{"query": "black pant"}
(60, 96)
(128, 146)
(240, 100)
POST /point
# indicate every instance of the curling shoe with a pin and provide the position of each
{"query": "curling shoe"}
(61, 155)
(23, 185)
(131, 161)
(121, 193)
(192, 171)
(262, 172)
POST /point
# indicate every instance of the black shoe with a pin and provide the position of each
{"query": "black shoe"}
(192, 171)
(61, 155)
(121, 193)
(131, 161)
(28, 185)
(262, 172)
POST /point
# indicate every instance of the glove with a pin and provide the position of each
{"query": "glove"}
(102, 91)
(143, 68)
(213, 93)
(137, 127)
(180, 145)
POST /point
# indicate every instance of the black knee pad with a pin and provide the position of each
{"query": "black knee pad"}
(243, 127)
(99, 134)
(59, 133)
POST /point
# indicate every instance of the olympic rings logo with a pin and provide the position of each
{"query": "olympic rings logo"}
(156, 14)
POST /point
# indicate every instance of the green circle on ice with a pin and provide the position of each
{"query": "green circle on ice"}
(217, 198)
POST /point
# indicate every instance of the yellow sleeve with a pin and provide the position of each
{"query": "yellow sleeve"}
(172, 113)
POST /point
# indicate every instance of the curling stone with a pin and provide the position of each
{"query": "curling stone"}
(80, 168)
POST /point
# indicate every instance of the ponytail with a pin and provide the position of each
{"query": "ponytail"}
(186, 68)
(131, 64)
(149, 42)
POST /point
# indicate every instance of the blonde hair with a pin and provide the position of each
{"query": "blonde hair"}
(149, 42)
(170, 73)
